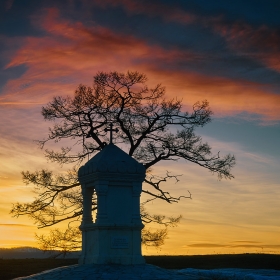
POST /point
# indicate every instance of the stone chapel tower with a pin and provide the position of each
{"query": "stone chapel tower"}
(115, 235)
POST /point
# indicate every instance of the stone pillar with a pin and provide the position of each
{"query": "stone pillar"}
(136, 192)
(87, 204)
(101, 188)
(87, 193)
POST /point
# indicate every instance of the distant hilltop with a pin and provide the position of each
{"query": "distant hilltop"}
(34, 253)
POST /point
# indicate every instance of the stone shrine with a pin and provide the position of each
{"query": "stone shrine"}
(114, 238)
(115, 235)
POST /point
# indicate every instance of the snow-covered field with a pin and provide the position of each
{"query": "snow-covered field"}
(154, 272)
(234, 273)
(150, 272)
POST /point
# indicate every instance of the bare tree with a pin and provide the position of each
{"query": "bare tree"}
(151, 128)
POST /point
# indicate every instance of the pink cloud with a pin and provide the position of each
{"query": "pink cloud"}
(9, 4)
(226, 96)
(261, 44)
(63, 58)
(72, 53)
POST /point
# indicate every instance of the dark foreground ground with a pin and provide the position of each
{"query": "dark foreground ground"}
(11, 268)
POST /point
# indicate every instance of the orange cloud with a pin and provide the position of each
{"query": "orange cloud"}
(226, 96)
(205, 245)
(71, 53)
(58, 62)
(212, 245)
(15, 225)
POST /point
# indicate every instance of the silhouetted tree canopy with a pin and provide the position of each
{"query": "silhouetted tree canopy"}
(151, 129)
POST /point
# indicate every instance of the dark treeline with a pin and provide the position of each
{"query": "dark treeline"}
(11, 268)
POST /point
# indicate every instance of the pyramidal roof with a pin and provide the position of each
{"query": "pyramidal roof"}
(111, 159)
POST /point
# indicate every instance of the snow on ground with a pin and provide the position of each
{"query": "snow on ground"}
(150, 272)
(234, 273)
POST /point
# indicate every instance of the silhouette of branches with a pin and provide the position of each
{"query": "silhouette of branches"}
(151, 128)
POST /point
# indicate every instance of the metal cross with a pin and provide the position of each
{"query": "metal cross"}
(111, 132)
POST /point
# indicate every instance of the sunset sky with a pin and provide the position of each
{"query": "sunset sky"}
(227, 52)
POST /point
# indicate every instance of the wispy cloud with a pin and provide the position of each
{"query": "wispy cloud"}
(258, 245)
(258, 43)
(16, 225)
(58, 62)
(204, 245)
(9, 4)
